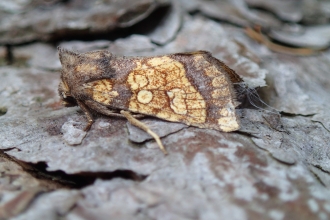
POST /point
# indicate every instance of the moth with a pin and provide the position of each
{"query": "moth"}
(192, 88)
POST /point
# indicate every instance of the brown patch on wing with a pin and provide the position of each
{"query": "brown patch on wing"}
(214, 83)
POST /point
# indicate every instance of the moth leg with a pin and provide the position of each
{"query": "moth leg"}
(105, 111)
(88, 115)
(142, 126)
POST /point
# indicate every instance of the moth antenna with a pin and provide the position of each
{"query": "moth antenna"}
(251, 94)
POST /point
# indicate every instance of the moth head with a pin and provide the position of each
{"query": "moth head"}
(66, 56)
(68, 59)
(67, 99)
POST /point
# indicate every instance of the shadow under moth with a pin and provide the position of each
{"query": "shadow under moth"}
(192, 88)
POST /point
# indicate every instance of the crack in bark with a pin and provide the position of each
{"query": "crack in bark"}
(74, 181)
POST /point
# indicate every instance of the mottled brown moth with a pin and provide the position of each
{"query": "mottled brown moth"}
(192, 88)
